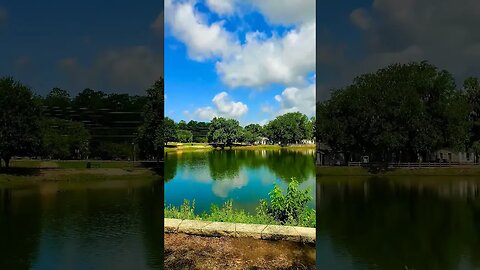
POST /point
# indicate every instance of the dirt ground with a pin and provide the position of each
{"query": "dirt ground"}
(196, 252)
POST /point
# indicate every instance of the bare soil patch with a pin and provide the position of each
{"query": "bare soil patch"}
(197, 252)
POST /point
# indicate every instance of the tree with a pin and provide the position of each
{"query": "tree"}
(19, 120)
(58, 98)
(223, 131)
(471, 87)
(256, 130)
(409, 110)
(184, 136)
(150, 134)
(64, 139)
(288, 128)
(169, 130)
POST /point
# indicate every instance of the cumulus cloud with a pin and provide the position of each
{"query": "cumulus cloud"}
(203, 41)
(263, 61)
(132, 68)
(294, 99)
(263, 58)
(287, 11)
(224, 106)
(221, 7)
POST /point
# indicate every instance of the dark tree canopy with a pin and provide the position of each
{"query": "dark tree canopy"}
(150, 134)
(19, 120)
(406, 109)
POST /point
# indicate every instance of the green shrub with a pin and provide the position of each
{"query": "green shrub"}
(284, 209)
(287, 208)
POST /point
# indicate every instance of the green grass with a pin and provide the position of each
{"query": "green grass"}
(288, 208)
(188, 147)
(70, 164)
(72, 176)
(227, 213)
(358, 171)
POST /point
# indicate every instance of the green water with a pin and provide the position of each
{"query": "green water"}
(82, 225)
(245, 176)
(398, 223)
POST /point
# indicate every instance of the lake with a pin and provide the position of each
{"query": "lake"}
(398, 222)
(245, 176)
(82, 225)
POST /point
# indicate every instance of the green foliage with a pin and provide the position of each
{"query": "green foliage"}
(289, 128)
(407, 109)
(169, 130)
(63, 139)
(289, 209)
(19, 120)
(185, 211)
(184, 136)
(224, 131)
(150, 134)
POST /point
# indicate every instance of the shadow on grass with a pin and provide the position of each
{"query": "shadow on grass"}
(19, 171)
(154, 166)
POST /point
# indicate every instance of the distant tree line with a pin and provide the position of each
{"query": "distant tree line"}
(289, 128)
(92, 124)
(402, 112)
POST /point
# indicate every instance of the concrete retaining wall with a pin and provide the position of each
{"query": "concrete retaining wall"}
(257, 231)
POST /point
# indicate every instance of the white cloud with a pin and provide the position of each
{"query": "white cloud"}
(286, 11)
(263, 61)
(295, 99)
(227, 107)
(221, 7)
(224, 107)
(203, 41)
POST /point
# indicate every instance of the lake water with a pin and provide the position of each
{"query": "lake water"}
(398, 223)
(246, 176)
(90, 225)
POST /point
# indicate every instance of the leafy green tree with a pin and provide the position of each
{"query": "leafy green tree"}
(471, 87)
(169, 130)
(19, 120)
(409, 110)
(224, 131)
(199, 130)
(256, 130)
(58, 98)
(64, 139)
(150, 134)
(184, 136)
(288, 128)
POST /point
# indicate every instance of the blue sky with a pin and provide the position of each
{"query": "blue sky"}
(78, 44)
(248, 60)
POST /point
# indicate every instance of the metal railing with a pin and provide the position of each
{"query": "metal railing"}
(418, 164)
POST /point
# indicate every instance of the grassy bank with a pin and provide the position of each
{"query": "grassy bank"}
(34, 171)
(282, 209)
(32, 176)
(189, 147)
(359, 171)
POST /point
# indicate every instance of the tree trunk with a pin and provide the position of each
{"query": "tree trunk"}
(7, 162)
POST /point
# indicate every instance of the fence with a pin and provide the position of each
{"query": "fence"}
(418, 164)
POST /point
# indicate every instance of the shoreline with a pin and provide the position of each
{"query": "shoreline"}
(187, 147)
(358, 171)
(240, 230)
(28, 175)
